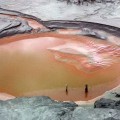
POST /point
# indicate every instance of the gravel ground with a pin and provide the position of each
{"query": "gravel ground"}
(106, 13)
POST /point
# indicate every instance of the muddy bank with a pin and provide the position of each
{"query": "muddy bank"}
(13, 26)
(56, 10)
(92, 29)
(19, 14)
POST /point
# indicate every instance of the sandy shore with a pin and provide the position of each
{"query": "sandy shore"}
(5, 96)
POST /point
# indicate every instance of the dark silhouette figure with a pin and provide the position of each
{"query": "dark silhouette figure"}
(86, 90)
(79, 2)
(66, 89)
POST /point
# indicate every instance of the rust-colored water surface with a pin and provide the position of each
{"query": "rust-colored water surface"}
(49, 63)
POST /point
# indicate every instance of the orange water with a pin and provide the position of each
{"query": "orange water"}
(28, 68)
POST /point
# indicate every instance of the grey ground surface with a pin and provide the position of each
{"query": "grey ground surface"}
(106, 13)
(43, 108)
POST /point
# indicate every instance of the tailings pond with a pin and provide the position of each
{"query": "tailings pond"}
(48, 63)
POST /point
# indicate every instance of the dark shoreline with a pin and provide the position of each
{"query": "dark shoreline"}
(88, 27)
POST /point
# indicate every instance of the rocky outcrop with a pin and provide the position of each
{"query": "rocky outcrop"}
(44, 108)
(107, 103)
(36, 108)
(10, 26)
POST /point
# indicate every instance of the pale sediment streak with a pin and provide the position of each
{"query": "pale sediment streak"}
(95, 55)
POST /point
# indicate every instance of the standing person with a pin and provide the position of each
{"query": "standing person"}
(79, 2)
(86, 88)
(66, 89)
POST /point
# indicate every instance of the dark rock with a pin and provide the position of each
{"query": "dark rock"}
(117, 95)
(10, 26)
(111, 118)
(107, 103)
(104, 103)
